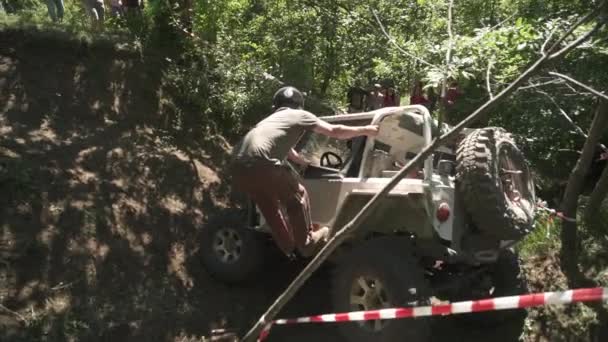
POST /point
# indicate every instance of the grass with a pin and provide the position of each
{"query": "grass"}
(541, 254)
(543, 240)
(76, 24)
(74, 18)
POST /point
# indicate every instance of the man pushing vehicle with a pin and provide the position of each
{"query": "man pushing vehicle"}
(260, 170)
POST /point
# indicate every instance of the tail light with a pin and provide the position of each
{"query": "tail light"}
(443, 212)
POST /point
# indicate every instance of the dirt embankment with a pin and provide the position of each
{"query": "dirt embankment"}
(101, 213)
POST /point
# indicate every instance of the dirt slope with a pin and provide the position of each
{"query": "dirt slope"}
(101, 213)
(106, 214)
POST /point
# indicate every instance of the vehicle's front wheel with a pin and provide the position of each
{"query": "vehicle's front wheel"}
(231, 252)
(380, 273)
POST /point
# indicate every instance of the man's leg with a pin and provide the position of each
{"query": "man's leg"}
(297, 207)
(251, 181)
(60, 9)
(101, 11)
(281, 231)
(50, 4)
(294, 198)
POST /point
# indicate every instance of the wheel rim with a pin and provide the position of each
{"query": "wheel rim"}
(227, 245)
(515, 180)
(369, 293)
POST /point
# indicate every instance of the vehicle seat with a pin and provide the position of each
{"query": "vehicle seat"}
(320, 172)
(353, 164)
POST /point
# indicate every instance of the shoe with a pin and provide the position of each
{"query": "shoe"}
(320, 234)
(317, 240)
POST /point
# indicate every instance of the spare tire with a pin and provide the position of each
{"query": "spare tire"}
(494, 180)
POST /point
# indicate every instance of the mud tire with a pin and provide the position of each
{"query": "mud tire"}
(247, 257)
(508, 279)
(390, 261)
(478, 179)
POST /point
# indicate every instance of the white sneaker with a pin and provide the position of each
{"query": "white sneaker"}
(317, 240)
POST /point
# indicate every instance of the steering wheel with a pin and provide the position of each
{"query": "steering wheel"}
(325, 160)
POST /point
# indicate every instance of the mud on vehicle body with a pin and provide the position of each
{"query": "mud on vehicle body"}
(472, 197)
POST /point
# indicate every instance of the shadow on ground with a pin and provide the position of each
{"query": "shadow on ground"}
(99, 213)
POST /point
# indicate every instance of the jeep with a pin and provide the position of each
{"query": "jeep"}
(444, 232)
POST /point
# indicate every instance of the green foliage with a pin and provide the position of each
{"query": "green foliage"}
(544, 240)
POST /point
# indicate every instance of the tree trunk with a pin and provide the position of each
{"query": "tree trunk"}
(187, 14)
(569, 234)
(597, 198)
(569, 252)
(443, 104)
(331, 52)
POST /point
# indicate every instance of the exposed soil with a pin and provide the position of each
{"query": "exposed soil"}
(101, 216)
(107, 214)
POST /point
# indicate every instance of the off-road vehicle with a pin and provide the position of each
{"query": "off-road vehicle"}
(442, 232)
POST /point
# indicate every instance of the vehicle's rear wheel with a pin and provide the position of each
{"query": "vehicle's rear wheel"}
(506, 278)
(231, 252)
(497, 188)
(379, 274)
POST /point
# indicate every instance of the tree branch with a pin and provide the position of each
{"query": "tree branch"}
(479, 37)
(578, 129)
(577, 41)
(572, 88)
(392, 40)
(504, 21)
(448, 54)
(448, 62)
(568, 150)
(373, 203)
(488, 85)
(580, 84)
(14, 313)
(538, 85)
(544, 46)
(581, 21)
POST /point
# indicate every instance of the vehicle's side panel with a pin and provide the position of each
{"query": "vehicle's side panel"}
(325, 196)
(400, 212)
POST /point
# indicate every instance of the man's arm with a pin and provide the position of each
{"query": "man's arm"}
(297, 158)
(344, 132)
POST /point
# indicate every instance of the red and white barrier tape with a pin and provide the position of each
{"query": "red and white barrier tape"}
(491, 304)
(559, 214)
(553, 212)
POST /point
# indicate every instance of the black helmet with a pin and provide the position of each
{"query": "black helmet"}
(288, 97)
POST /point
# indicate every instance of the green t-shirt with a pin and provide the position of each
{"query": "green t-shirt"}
(272, 138)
